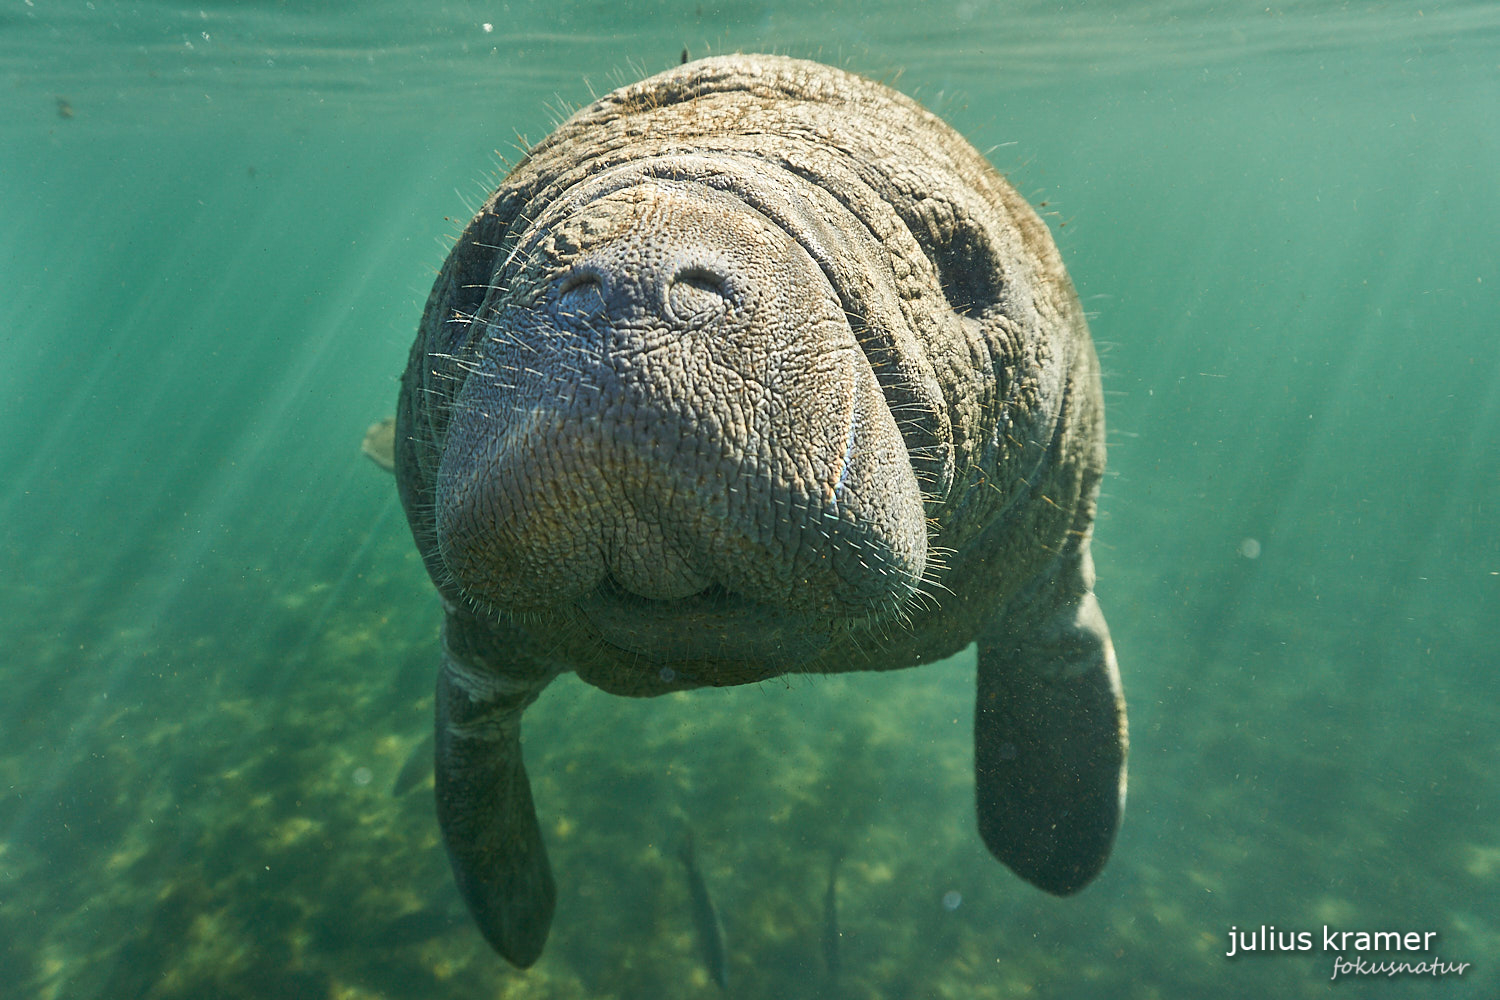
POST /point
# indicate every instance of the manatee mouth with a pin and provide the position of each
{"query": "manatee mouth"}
(714, 624)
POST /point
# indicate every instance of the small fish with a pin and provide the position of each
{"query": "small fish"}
(379, 444)
(831, 933)
(417, 767)
(705, 917)
(420, 926)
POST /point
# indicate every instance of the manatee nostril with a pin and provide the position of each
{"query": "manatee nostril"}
(697, 294)
(580, 293)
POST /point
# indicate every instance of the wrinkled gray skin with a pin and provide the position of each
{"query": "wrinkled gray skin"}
(757, 367)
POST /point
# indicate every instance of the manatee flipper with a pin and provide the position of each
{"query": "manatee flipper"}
(1049, 733)
(485, 809)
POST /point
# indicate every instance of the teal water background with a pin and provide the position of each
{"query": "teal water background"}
(219, 225)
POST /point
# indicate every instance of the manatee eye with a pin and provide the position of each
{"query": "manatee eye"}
(581, 294)
(697, 295)
(967, 269)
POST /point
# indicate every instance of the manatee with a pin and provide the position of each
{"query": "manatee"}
(750, 368)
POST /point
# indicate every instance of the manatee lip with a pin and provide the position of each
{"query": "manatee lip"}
(713, 624)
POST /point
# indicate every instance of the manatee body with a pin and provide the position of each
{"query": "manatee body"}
(757, 367)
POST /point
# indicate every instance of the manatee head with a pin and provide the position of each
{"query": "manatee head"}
(664, 432)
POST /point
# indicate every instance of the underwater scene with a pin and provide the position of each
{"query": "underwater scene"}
(218, 641)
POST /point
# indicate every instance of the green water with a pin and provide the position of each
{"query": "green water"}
(219, 225)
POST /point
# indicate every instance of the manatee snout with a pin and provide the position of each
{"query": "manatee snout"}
(669, 431)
